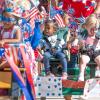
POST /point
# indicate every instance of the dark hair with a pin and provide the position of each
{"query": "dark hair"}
(55, 25)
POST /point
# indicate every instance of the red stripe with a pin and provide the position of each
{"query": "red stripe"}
(59, 20)
(13, 65)
(73, 84)
(32, 13)
(27, 64)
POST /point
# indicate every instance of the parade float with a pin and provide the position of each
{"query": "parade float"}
(28, 79)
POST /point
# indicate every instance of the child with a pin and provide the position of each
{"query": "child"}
(91, 47)
(10, 33)
(73, 47)
(52, 47)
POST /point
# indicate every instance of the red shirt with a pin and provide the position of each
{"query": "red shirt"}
(79, 8)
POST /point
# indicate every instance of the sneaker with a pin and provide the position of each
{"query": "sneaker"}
(82, 97)
(81, 77)
(97, 73)
(50, 74)
(64, 76)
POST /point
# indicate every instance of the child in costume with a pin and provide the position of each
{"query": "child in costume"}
(10, 32)
(52, 46)
(90, 47)
(73, 46)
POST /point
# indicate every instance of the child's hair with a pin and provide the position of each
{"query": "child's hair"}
(55, 25)
(91, 21)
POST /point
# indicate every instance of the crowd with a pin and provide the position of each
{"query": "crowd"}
(79, 20)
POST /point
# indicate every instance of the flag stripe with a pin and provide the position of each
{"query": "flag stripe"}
(17, 74)
(27, 64)
(59, 20)
(32, 13)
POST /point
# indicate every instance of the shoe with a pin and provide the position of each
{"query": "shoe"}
(82, 97)
(64, 76)
(97, 73)
(49, 74)
(81, 77)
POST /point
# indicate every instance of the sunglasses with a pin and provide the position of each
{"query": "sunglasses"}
(6, 19)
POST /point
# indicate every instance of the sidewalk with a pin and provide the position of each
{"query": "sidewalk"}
(74, 97)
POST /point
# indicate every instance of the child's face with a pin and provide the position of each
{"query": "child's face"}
(92, 30)
(73, 32)
(8, 20)
(49, 29)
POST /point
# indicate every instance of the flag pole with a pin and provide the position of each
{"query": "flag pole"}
(49, 9)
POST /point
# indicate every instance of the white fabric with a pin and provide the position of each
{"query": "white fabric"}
(75, 42)
(92, 88)
(54, 42)
(49, 86)
(9, 34)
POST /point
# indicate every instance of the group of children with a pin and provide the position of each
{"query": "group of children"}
(88, 45)
(53, 46)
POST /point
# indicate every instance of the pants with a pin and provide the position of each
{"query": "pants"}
(73, 60)
(60, 55)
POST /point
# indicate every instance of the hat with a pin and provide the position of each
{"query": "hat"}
(16, 7)
(17, 12)
(13, 8)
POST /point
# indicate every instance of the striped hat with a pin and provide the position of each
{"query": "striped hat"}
(17, 7)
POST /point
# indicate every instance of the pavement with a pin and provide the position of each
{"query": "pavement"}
(74, 97)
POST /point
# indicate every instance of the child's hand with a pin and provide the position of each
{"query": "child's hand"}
(1, 43)
(69, 45)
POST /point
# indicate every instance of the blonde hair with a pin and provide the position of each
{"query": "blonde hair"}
(91, 21)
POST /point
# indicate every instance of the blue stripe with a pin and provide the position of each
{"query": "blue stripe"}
(21, 85)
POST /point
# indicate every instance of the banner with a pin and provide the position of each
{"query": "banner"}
(92, 88)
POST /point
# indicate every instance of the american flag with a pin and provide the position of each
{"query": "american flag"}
(33, 13)
(59, 20)
(44, 14)
(56, 14)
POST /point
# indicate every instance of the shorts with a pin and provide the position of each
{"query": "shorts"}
(92, 55)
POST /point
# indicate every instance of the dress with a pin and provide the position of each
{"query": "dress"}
(9, 34)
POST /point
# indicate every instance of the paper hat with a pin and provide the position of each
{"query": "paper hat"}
(14, 7)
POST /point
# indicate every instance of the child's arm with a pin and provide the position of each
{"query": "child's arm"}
(68, 36)
(97, 9)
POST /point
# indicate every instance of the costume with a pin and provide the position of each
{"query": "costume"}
(92, 47)
(10, 33)
(78, 8)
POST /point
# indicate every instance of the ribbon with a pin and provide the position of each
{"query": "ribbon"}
(27, 64)
(17, 75)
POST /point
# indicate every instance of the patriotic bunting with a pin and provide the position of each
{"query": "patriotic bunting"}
(17, 74)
